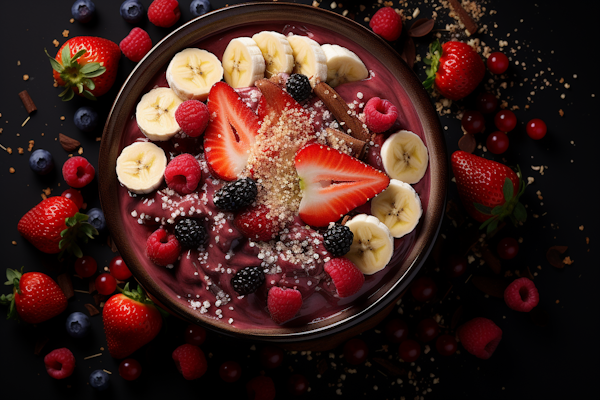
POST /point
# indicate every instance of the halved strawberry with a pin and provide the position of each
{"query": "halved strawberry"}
(334, 183)
(230, 133)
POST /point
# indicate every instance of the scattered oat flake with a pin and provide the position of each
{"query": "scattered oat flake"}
(11, 170)
(56, 43)
(65, 33)
(92, 356)
(14, 242)
(25, 77)
(581, 227)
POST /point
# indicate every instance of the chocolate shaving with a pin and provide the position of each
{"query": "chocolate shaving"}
(539, 317)
(111, 243)
(27, 102)
(68, 144)
(456, 317)
(491, 260)
(322, 366)
(66, 284)
(421, 27)
(91, 309)
(467, 143)
(91, 286)
(39, 344)
(491, 286)
(99, 298)
(338, 139)
(409, 53)
(464, 17)
(390, 367)
(554, 256)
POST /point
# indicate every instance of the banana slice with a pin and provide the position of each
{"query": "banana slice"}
(155, 114)
(309, 58)
(373, 245)
(192, 72)
(343, 65)
(243, 62)
(141, 166)
(398, 207)
(404, 157)
(276, 51)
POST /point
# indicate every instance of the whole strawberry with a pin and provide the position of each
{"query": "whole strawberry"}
(455, 68)
(35, 298)
(130, 321)
(489, 190)
(86, 66)
(54, 225)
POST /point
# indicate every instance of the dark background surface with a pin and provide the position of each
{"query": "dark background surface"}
(557, 360)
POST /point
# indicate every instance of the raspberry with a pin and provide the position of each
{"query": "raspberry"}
(78, 172)
(261, 388)
(255, 225)
(521, 295)
(162, 248)
(347, 278)
(480, 337)
(380, 115)
(190, 233)
(386, 23)
(236, 195)
(183, 173)
(164, 13)
(136, 44)
(247, 280)
(190, 361)
(192, 117)
(298, 86)
(60, 363)
(283, 304)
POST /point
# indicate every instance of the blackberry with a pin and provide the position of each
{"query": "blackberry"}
(190, 233)
(236, 195)
(298, 87)
(338, 240)
(247, 280)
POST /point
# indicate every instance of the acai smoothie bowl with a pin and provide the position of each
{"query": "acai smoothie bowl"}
(273, 172)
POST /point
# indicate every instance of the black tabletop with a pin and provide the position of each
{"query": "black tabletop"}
(550, 353)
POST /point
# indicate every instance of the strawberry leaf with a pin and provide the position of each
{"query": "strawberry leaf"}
(88, 95)
(77, 55)
(95, 73)
(55, 64)
(80, 87)
(433, 60)
(482, 209)
(78, 229)
(66, 56)
(492, 226)
(520, 213)
(507, 189)
(497, 210)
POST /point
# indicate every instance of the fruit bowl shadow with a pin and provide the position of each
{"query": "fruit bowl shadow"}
(373, 307)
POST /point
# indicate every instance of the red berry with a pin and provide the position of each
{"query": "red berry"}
(480, 337)
(346, 277)
(230, 371)
(386, 23)
(446, 345)
(192, 117)
(505, 120)
(536, 129)
(271, 356)
(497, 142)
(256, 224)
(164, 13)
(183, 173)
(427, 330)
(283, 304)
(486, 103)
(118, 268)
(136, 44)
(162, 248)
(409, 350)
(423, 289)
(521, 295)
(78, 172)
(456, 266)
(60, 363)
(508, 248)
(396, 330)
(105, 284)
(380, 115)
(190, 361)
(74, 195)
(130, 369)
(497, 63)
(473, 121)
(356, 351)
(260, 388)
(85, 266)
(195, 334)
(297, 384)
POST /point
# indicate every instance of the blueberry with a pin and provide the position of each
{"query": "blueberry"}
(99, 380)
(86, 119)
(78, 325)
(132, 11)
(41, 161)
(83, 10)
(200, 7)
(96, 219)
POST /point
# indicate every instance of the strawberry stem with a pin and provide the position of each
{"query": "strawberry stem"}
(13, 276)
(78, 229)
(435, 52)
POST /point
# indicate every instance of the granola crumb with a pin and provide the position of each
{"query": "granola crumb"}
(25, 77)
(56, 43)
(65, 33)
(11, 170)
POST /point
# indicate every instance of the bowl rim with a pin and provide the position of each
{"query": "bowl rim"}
(253, 13)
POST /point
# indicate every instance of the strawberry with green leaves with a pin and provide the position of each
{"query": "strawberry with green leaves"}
(489, 190)
(86, 66)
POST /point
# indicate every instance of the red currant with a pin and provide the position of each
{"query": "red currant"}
(423, 289)
(356, 351)
(409, 350)
(473, 121)
(446, 345)
(230, 371)
(508, 248)
(396, 330)
(297, 384)
(497, 142)
(74, 195)
(130, 369)
(536, 129)
(85, 266)
(486, 103)
(195, 334)
(118, 268)
(505, 120)
(456, 266)
(271, 356)
(105, 284)
(497, 63)
(427, 330)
